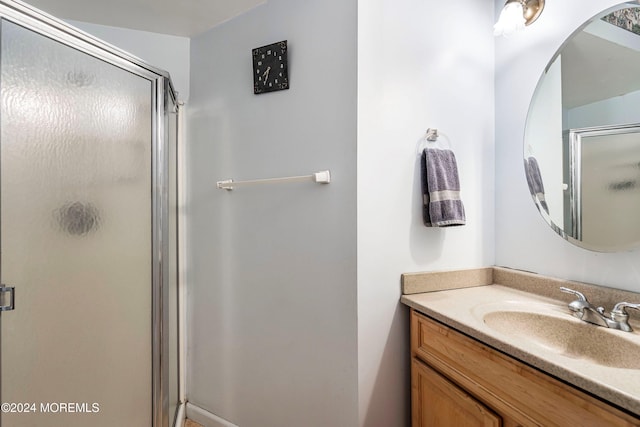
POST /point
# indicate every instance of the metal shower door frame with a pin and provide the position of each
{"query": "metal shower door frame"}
(575, 137)
(162, 88)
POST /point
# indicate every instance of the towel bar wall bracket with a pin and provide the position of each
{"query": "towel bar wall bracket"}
(322, 177)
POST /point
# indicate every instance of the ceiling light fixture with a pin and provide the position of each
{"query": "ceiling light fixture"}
(516, 14)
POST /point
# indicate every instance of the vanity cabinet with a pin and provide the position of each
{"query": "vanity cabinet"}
(458, 381)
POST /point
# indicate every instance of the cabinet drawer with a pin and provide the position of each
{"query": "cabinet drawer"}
(437, 402)
(511, 388)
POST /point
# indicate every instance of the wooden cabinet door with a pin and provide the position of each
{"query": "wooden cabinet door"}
(437, 402)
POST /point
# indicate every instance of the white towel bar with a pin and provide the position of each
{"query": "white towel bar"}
(322, 177)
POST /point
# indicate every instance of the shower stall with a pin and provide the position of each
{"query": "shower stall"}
(88, 230)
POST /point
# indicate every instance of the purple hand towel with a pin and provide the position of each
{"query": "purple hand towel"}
(442, 206)
(534, 180)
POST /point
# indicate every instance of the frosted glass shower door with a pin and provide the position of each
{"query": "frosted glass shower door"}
(75, 237)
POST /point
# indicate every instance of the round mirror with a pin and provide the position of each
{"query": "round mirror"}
(582, 137)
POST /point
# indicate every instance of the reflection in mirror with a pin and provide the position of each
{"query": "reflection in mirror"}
(609, 159)
(582, 138)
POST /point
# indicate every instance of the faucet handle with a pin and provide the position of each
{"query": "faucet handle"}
(578, 306)
(580, 295)
(619, 314)
(620, 308)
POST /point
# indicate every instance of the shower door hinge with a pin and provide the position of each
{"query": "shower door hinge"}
(7, 293)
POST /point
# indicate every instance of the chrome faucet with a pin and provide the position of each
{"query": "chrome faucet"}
(584, 310)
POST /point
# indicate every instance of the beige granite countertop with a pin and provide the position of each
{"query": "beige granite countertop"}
(463, 309)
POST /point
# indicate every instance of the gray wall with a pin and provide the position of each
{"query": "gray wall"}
(440, 75)
(272, 269)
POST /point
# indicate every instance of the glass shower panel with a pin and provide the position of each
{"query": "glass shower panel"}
(75, 236)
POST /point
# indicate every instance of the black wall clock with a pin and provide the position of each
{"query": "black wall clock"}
(270, 68)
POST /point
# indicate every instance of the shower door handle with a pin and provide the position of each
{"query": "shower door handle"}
(7, 292)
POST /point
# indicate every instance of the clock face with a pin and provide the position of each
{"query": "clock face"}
(270, 71)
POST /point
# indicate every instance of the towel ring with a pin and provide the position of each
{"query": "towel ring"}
(433, 138)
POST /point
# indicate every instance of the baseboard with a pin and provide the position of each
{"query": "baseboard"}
(206, 418)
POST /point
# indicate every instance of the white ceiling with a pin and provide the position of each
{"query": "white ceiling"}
(176, 17)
